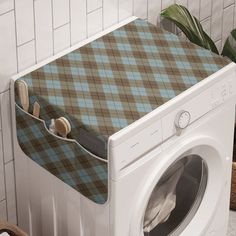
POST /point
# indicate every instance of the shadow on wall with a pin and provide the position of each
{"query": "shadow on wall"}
(168, 25)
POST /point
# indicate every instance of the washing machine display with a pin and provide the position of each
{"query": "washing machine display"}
(176, 198)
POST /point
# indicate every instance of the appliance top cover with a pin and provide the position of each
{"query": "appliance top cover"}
(113, 81)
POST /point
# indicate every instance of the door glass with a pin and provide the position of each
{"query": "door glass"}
(176, 197)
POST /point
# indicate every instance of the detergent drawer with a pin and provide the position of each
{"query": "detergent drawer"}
(136, 146)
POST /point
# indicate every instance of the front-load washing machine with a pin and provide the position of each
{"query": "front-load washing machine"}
(182, 186)
(150, 147)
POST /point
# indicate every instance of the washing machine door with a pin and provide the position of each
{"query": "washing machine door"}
(184, 194)
(176, 197)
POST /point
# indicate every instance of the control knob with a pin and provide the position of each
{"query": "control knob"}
(182, 119)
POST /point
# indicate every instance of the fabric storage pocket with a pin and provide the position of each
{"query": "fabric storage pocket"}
(64, 158)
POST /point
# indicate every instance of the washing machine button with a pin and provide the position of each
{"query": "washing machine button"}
(182, 119)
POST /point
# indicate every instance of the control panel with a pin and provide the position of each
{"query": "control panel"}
(220, 92)
(197, 107)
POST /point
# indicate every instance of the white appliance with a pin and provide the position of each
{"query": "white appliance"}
(203, 147)
(181, 152)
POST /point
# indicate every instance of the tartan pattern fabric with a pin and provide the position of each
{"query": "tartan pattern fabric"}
(102, 87)
(64, 159)
(48, 112)
(118, 78)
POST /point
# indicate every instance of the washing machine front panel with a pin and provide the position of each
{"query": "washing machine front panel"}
(176, 116)
(210, 140)
(187, 189)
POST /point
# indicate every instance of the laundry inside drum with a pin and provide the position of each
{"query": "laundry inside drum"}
(176, 197)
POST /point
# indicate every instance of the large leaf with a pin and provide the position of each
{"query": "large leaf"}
(229, 49)
(190, 26)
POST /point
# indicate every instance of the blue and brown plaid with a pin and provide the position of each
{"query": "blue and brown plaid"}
(64, 159)
(104, 86)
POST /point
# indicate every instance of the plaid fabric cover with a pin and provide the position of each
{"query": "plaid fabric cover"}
(102, 87)
(66, 160)
(118, 78)
(49, 111)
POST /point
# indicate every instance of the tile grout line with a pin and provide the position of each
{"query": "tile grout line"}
(103, 15)
(133, 7)
(53, 43)
(234, 14)
(231, 5)
(86, 18)
(20, 45)
(67, 23)
(35, 43)
(6, 12)
(211, 18)
(70, 22)
(5, 163)
(17, 62)
(3, 200)
(95, 9)
(224, 7)
(4, 169)
(118, 10)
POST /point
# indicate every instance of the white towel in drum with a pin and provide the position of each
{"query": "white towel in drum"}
(163, 200)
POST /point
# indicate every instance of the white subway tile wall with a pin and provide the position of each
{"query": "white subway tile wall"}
(3, 210)
(154, 7)
(8, 49)
(43, 29)
(166, 3)
(216, 19)
(228, 21)
(93, 5)
(2, 176)
(78, 20)
(33, 30)
(125, 9)
(140, 8)
(7, 173)
(6, 5)
(61, 38)
(194, 7)
(95, 22)
(10, 192)
(26, 55)
(34, 26)
(6, 126)
(61, 12)
(24, 11)
(110, 12)
(205, 9)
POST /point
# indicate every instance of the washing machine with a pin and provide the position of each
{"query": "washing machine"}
(167, 108)
(182, 186)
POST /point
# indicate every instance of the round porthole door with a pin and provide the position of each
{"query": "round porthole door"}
(176, 197)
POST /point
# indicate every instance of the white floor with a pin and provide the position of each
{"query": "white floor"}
(232, 224)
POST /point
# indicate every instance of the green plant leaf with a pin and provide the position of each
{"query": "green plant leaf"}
(190, 26)
(229, 49)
